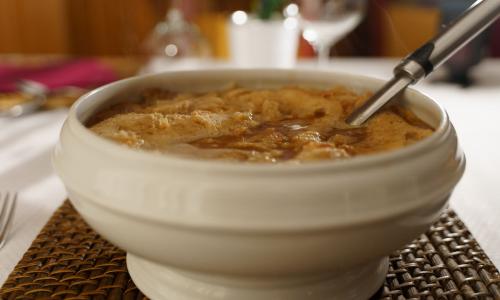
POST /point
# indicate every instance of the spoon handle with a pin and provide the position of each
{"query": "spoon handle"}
(453, 37)
(430, 56)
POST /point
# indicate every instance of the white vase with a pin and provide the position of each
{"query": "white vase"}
(258, 43)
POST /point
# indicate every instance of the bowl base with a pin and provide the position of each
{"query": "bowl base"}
(159, 282)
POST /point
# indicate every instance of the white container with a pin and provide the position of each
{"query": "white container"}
(264, 44)
(197, 229)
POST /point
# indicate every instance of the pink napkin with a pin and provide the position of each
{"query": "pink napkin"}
(82, 73)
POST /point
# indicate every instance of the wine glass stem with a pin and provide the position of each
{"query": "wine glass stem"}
(323, 52)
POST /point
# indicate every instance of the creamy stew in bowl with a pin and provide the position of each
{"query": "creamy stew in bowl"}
(293, 123)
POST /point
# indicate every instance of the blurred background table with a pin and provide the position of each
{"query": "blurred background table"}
(27, 143)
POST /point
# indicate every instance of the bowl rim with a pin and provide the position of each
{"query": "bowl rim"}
(362, 161)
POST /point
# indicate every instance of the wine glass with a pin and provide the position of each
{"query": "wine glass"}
(176, 37)
(325, 22)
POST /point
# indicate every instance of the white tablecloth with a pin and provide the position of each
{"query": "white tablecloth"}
(26, 145)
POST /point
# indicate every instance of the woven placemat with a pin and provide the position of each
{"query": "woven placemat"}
(68, 260)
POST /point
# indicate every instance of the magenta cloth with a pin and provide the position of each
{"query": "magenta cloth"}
(83, 73)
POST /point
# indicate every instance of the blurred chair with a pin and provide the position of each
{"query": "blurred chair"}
(460, 65)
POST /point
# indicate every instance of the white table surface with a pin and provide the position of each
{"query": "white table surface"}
(26, 145)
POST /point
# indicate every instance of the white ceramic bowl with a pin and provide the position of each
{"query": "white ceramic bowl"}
(196, 229)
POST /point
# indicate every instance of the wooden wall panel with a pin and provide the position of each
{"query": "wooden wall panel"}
(9, 37)
(33, 26)
(110, 26)
(406, 27)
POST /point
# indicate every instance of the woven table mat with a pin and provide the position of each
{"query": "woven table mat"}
(68, 260)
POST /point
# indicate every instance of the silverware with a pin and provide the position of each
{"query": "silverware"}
(7, 208)
(430, 56)
(38, 95)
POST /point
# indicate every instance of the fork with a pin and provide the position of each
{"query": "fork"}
(7, 207)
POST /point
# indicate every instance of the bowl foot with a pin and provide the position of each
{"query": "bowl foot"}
(159, 282)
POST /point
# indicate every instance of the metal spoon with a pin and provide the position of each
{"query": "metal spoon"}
(430, 56)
